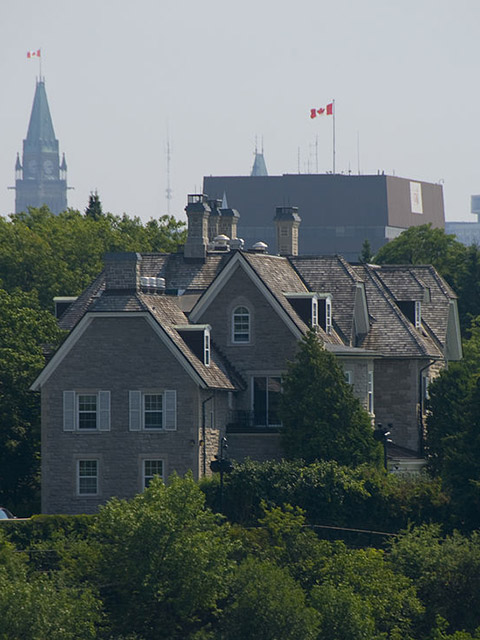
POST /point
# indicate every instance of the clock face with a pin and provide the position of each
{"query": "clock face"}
(48, 168)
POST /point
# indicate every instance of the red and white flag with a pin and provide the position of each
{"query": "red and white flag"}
(33, 54)
(322, 111)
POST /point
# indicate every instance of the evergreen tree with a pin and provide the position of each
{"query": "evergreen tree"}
(94, 209)
(321, 417)
(366, 256)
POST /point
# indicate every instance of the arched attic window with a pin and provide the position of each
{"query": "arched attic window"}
(241, 325)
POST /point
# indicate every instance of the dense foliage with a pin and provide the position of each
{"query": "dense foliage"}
(163, 566)
(321, 417)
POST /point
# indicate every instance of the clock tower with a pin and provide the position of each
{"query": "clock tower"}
(40, 178)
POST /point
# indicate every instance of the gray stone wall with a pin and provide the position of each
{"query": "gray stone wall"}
(396, 392)
(261, 446)
(116, 355)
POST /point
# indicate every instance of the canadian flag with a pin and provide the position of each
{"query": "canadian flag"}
(323, 111)
(33, 54)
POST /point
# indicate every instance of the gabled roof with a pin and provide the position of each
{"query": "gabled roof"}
(163, 314)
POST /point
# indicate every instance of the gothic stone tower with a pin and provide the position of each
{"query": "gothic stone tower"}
(40, 178)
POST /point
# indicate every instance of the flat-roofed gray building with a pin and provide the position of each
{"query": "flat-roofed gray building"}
(339, 212)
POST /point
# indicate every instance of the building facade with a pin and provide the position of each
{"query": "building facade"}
(168, 354)
(339, 212)
(40, 177)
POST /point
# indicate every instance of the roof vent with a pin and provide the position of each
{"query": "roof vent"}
(237, 243)
(150, 284)
(259, 247)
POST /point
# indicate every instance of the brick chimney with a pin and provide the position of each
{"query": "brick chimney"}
(198, 213)
(122, 272)
(287, 222)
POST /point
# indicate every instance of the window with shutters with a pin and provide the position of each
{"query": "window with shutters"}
(86, 411)
(153, 410)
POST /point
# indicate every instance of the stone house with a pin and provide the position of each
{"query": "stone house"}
(167, 354)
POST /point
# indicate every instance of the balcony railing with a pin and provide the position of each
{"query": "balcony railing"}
(246, 421)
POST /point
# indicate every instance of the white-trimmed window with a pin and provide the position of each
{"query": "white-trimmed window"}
(206, 347)
(87, 477)
(153, 410)
(150, 469)
(328, 315)
(370, 392)
(86, 411)
(241, 325)
(418, 314)
(314, 312)
(348, 377)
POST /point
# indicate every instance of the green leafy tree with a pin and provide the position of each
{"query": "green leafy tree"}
(162, 561)
(425, 245)
(446, 572)
(267, 603)
(24, 328)
(34, 605)
(453, 430)
(321, 417)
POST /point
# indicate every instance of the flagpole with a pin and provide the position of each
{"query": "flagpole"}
(333, 113)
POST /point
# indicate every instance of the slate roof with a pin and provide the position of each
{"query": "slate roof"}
(422, 279)
(191, 277)
(277, 274)
(332, 274)
(391, 332)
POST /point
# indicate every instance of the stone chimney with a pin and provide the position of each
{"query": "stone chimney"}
(228, 223)
(287, 222)
(198, 213)
(214, 219)
(122, 272)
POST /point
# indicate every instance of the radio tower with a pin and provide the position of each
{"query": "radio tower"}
(168, 190)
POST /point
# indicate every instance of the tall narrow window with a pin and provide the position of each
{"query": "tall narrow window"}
(151, 468)
(314, 312)
(206, 347)
(418, 315)
(370, 392)
(241, 325)
(87, 477)
(266, 400)
(328, 315)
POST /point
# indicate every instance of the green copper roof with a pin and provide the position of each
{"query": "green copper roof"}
(40, 129)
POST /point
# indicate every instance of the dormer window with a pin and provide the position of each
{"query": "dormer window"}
(328, 315)
(241, 325)
(206, 347)
(314, 312)
(418, 315)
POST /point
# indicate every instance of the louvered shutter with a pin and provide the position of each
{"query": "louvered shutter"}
(69, 410)
(135, 404)
(104, 410)
(170, 413)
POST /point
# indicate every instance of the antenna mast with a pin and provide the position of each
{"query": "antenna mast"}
(168, 190)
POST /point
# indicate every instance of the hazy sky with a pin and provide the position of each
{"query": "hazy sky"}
(404, 76)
